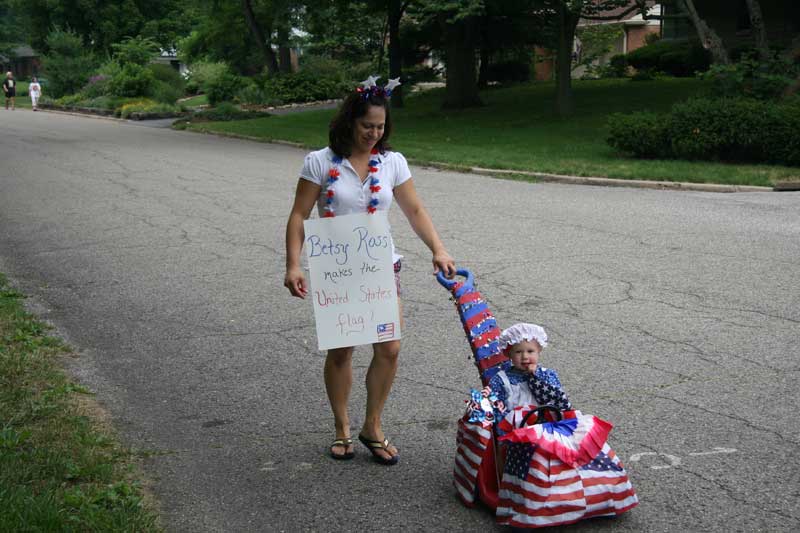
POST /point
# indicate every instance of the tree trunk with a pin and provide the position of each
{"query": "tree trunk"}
(396, 8)
(486, 54)
(708, 37)
(759, 30)
(258, 36)
(483, 70)
(567, 23)
(461, 89)
(284, 51)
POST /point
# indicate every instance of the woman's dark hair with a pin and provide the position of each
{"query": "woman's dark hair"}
(355, 106)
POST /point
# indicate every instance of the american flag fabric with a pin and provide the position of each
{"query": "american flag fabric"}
(385, 331)
(548, 480)
(575, 440)
(471, 444)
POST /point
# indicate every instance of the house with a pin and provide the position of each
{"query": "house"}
(170, 58)
(23, 61)
(634, 31)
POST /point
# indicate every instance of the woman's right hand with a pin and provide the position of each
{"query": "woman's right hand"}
(295, 281)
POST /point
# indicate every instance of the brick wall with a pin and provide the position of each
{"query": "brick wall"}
(636, 36)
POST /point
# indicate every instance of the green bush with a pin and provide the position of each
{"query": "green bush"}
(105, 102)
(149, 107)
(326, 67)
(752, 77)
(676, 58)
(68, 65)
(164, 92)
(334, 70)
(70, 100)
(96, 86)
(644, 135)
(356, 72)
(716, 129)
(135, 50)
(617, 67)
(224, 112)
(737, 130)
(168, 75)
(646, 74)
(202, 73)
(131, 80)
(223, 88)
(304, 86)
(252, 94)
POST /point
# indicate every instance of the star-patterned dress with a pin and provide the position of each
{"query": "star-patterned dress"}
(515, 387)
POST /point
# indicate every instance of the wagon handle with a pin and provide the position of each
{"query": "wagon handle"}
(540, 411)
(450, 283)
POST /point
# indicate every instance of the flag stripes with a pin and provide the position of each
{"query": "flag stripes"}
(550, 492)
(471, 444)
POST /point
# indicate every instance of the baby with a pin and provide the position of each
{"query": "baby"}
(525, 382)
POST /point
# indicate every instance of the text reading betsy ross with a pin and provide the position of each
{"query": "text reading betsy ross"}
(352, 280)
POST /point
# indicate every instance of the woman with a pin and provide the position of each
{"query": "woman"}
(10, 90)
(367, 177)
(34, 91)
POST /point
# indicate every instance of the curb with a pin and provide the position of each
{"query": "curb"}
(79, 114)
(135, 117)
(612, 182)
(248, 138)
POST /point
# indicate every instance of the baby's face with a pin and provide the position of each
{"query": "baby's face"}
(525, 355)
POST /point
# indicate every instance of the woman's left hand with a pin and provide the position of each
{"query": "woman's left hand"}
(444, 263)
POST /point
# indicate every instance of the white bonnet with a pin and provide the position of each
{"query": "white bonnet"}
(522, 332)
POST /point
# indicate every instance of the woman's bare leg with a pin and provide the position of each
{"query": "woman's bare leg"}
(380, 377)
(338, 382)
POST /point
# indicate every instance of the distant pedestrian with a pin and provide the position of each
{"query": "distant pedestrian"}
(34, 91)
(10, 90)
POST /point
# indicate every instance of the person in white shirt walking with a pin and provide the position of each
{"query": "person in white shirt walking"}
(34, 91)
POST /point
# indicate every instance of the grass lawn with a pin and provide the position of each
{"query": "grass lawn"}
(518, 130)
(194, 101)
(60, 470)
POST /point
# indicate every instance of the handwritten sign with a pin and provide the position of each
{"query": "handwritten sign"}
(352, 280)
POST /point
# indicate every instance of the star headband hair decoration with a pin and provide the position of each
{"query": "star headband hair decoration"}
(368, 87)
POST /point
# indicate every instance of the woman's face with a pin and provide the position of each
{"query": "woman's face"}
(368, 129)
(525, 355)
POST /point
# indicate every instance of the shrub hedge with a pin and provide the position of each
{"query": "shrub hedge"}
(676, 58)
(644, 135)
(739, 130)
(304, 86)
(752, 77)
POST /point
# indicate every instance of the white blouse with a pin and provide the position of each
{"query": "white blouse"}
(351, 194)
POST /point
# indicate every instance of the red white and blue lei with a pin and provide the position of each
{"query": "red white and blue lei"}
(333, 177)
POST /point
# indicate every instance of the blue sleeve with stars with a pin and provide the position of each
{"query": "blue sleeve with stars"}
(496, 384)
(547, 390)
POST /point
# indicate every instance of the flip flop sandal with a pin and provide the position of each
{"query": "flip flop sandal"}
(342, 443)
(374, 445)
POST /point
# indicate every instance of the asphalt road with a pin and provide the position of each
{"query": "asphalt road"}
(159, 256)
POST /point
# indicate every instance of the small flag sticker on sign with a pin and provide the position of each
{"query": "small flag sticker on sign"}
(385, 331)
